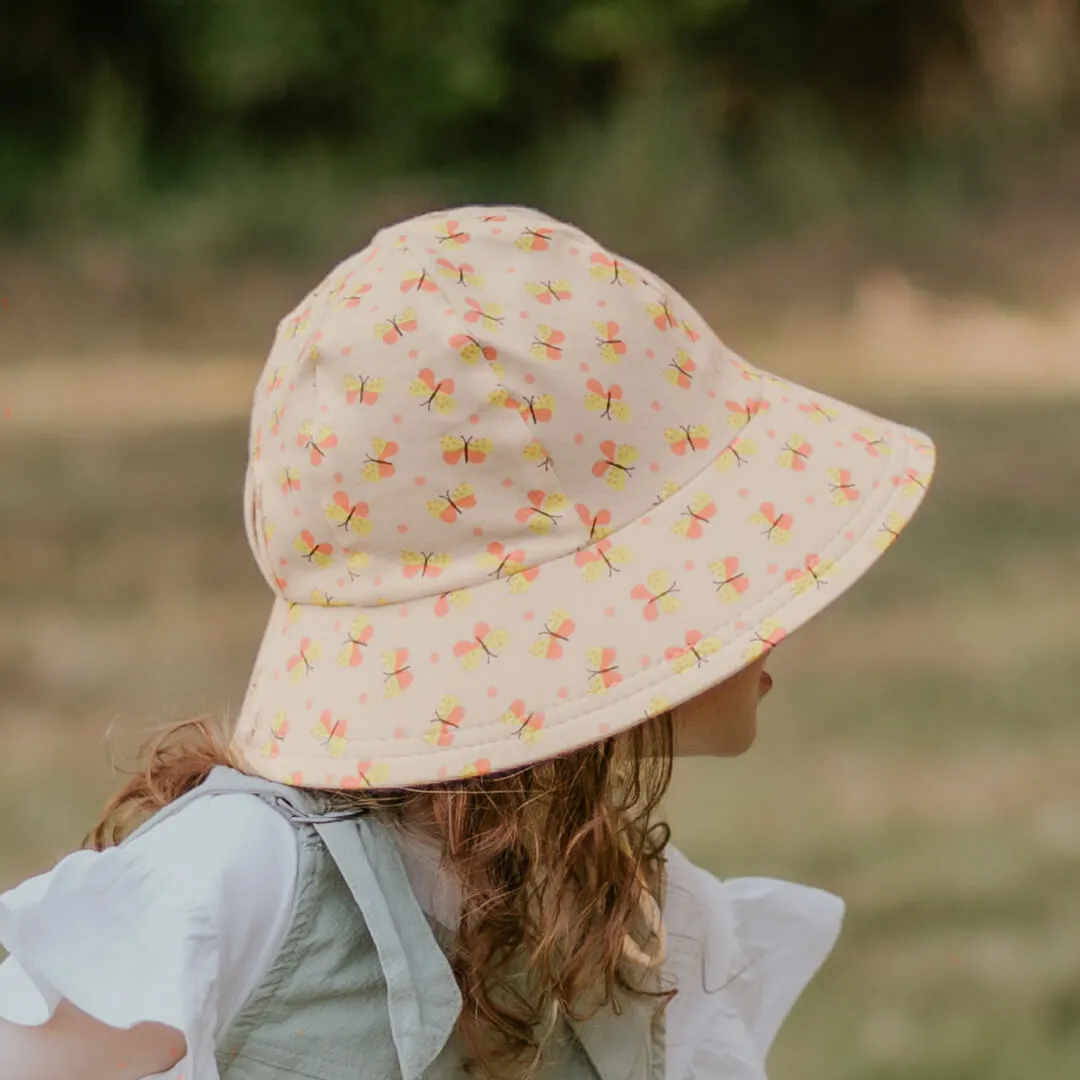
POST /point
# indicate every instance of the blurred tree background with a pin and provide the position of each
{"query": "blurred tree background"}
(254, 124)
(878, 198)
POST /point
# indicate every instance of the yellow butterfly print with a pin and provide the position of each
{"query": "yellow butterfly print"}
(452, 601)
(481, 645)
(820, 414)
(488, 316)
(911, 482)
(598, 523)
(331, 733)
(697, 650)
(876, 444)
(256, 447)
(359, 635)
(355, 561)
(810, 575)
(289, 479)
(418, 281)
(279, 729)
(527, 724)
(380, 466)
(368, 774)
(480, 767)
(460, 273)
(298, 323)
(692, 521)
(537, 408)
(364, 389)
(779, 524)
(535, 451)
(603, 671)
(730, 581)
(612, 347)
(434, 391)
(538, 239)
(740, 413)
(889, 531)
(397, 677)
(669, 488)
(348, 514)
(735, 454)
(556, 633)
(616, 464)
(680, 371)
(842, 487)
(339, 288)
(318, 445)
(443, 727)
(543, 510)
(451, 505)
(318, 552)
(425, 564)
(324, 599)
(692, 437)
(658, 593)
(657, 705)
(508, 564)
(502, 397)
(355, 298)
(471, 350)
(612, 270)
(274, 383)
(549, 292)
(606, 400)
(767, 635)
(547, 343)
(796, 454)
(465, 448)
(660, 313)
(923, 449)
(303, 660)
(397, 326)
(451, 235)
(601, 559)
(275, 419)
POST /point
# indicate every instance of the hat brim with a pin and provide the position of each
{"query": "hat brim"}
(464, 683)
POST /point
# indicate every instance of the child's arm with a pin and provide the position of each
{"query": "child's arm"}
(72, 1043)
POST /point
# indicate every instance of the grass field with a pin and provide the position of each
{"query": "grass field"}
(919, 755)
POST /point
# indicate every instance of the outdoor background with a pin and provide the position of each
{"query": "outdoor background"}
(878, 197)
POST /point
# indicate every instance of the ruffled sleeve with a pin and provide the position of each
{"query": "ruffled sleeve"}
(742, 951)
(174, 927)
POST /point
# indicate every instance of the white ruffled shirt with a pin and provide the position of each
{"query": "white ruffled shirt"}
(180, 925)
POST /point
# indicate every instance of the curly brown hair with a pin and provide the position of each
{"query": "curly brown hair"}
(557, 861)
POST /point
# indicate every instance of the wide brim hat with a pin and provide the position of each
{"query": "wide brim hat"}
(513, 496)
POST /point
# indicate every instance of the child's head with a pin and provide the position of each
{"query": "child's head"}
(529, 526)
(513, 495)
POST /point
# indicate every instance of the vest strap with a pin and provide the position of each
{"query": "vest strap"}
(423, 998)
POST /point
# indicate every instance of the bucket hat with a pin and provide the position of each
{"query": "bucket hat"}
(513, 495)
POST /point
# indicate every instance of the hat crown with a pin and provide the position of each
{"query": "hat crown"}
(476, 393)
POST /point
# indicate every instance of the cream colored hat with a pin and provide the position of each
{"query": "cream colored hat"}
(513, 495)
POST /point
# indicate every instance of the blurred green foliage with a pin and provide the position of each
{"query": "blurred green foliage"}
(259, 119)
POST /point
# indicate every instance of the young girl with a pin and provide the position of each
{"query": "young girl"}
(532, 531)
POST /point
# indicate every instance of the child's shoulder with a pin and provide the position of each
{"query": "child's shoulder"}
(202, 898)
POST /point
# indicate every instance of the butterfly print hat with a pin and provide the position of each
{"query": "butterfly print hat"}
(513, 495)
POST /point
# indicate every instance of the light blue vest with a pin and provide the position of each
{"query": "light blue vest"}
(369, 994)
